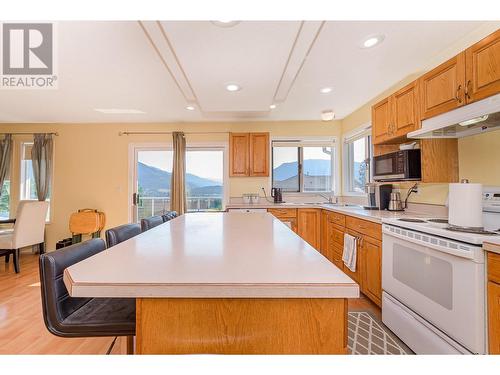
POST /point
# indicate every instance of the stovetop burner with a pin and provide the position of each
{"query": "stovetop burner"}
(410, 220)
(471, 230)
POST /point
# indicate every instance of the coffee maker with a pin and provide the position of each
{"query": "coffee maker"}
(277, 194)
(379, 196)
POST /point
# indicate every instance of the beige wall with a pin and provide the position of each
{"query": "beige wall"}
(92, 160)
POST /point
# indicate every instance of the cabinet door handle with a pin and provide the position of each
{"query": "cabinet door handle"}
(457, 95)
(467, 95)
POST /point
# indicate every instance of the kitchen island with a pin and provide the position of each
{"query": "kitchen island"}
(223, 283)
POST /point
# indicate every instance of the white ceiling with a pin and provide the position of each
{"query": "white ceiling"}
(160, 67)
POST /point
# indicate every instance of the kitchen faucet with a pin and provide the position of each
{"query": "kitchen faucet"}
(329, 197)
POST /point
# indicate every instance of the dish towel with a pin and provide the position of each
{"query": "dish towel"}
(349, 253)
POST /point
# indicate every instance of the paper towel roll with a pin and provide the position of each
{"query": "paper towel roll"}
(466, 205)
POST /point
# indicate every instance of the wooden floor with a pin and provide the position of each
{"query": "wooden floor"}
(22, 330)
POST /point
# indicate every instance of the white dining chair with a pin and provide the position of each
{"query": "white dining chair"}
(29, 229)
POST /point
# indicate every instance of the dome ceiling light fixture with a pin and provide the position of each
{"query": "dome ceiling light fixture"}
(233, 87)
(225, 23)
(325, 90)
(373, 41)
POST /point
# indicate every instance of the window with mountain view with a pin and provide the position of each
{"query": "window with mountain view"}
(303, 166)
(357, 153)
(204, 180)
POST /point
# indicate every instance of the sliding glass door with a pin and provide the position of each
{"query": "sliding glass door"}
(151, 174)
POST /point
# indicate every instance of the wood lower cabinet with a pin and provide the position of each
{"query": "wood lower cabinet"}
(494, 303)
(286, 215)
(482, 61)
(332, 236)
(443, 88)
(371, 268)
(356, 276)
(309, 226)
(249, 154)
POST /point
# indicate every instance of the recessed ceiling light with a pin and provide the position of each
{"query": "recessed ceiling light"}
(119, 111)
(327, 115)
(372, 41)
(233, 87)
(325, 90)
(190, 108)
(225, 23)
(272, 106)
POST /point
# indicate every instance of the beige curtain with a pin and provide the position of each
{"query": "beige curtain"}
(41, 157)
(5, 158)
(178, 181)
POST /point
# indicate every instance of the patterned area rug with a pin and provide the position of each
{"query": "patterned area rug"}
(368, 335)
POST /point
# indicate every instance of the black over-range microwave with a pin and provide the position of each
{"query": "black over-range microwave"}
(397, 166)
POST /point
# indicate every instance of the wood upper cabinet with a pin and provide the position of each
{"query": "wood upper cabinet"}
(439, 160)
(239, 152)
(482, 61)
(371, 268)
(248, 154)
(259, 154)
(443, 88)
(309, 226)
(396, 115)
(381, 121)
(404, 105)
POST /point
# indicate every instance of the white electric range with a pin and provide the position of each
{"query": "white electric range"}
(433, 281)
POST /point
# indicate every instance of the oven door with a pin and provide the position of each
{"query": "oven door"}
(444, 289)
(385, 168)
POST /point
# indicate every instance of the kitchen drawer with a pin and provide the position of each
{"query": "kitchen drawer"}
(336, 255)
(337, 236)
(365, 227)
(283, 212)
(494, 267)
(337, 219)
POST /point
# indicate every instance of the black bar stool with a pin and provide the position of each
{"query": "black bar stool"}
(151, 222)
(67, 316)
(121, 233)
(169, 216)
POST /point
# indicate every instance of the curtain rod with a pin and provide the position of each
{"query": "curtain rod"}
(31, 133)
(153, 133)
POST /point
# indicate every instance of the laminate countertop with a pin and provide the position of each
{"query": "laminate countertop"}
(211, 255)
(351, 210)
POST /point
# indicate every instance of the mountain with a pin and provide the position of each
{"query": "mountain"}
(312, 167)
(156, 182)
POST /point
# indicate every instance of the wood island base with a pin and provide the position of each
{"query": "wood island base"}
(241, 326)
